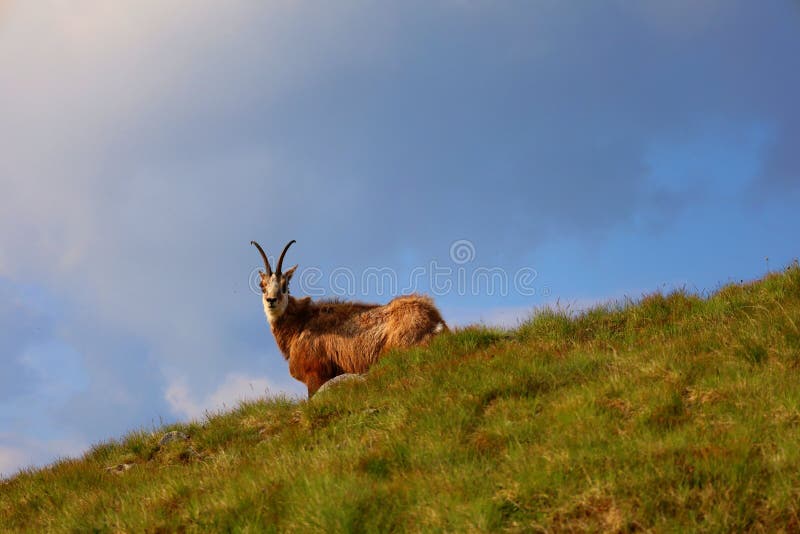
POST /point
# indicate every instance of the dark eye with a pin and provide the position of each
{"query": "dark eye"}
(284, 288)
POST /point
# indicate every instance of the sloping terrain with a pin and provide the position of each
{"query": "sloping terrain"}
(672, 413)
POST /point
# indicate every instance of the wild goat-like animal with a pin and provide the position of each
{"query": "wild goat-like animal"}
(321, 340)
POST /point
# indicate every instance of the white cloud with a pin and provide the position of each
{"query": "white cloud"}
(499, 316)
(17, 452)
(235, 388)
(11, 461)
(513, 316)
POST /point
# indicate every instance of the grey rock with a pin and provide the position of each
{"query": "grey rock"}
(169, 437)
(347, 377)
(119, 468)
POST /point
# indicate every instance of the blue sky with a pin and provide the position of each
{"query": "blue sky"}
(606, 149)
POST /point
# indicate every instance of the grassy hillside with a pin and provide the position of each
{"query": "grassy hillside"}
(668, 414)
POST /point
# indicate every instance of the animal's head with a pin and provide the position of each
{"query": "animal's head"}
(275, 285)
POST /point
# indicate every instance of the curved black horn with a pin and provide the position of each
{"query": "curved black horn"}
(263, 255)
(280, 260)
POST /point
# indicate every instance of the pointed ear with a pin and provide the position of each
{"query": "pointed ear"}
(288, 274)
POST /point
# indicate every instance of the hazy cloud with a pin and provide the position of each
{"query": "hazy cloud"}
(20, 327)
(233, 389)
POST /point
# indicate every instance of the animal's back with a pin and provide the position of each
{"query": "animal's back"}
(364, 332)
(412, 319)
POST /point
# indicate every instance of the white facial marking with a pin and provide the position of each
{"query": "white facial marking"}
(274, 300)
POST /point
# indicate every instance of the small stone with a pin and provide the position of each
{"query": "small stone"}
(169, 437)
(119, 468)
(347, 377)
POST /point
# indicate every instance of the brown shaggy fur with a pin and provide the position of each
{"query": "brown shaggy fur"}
(321, 340)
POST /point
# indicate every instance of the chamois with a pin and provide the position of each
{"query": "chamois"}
(324, 339)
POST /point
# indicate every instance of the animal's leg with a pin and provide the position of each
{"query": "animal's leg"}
(314, 382)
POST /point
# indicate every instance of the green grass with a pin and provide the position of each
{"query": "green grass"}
(669, 414)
